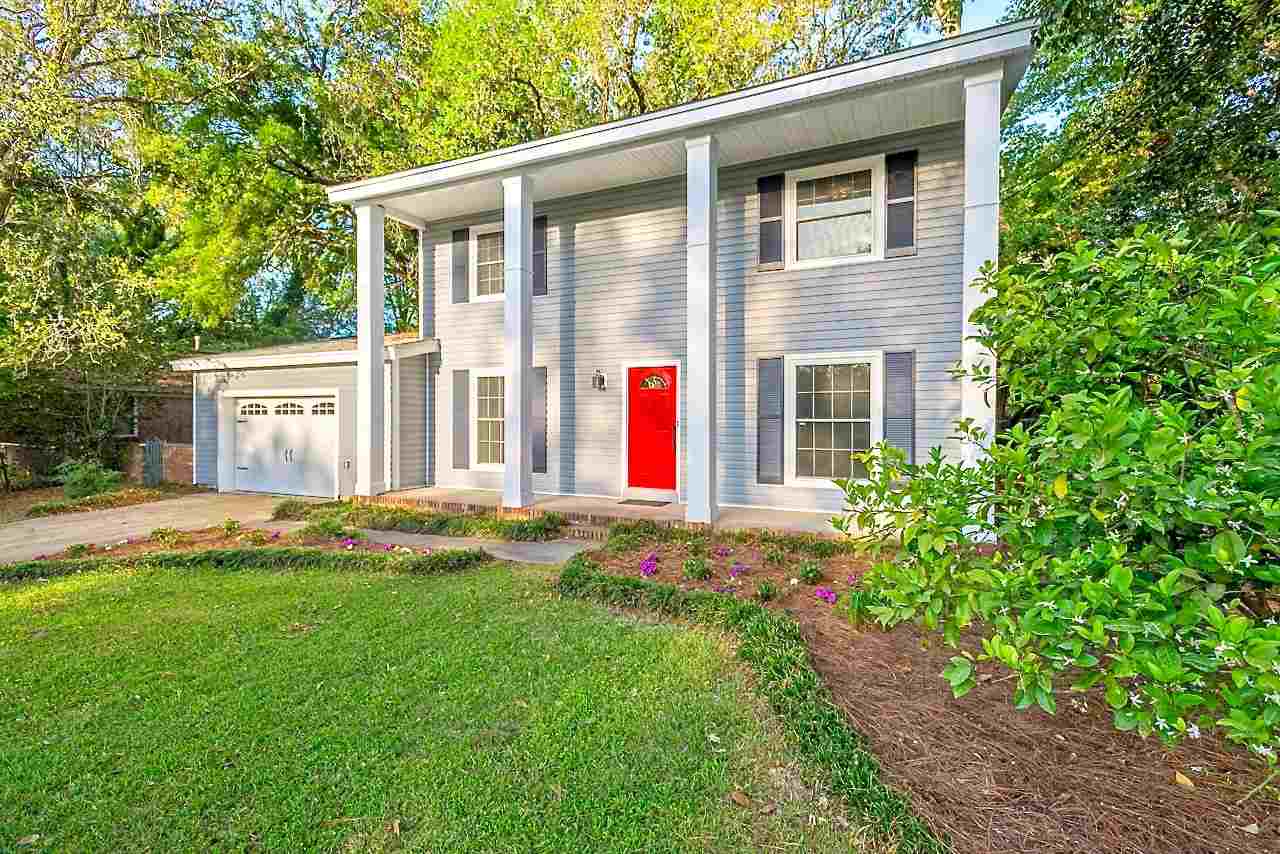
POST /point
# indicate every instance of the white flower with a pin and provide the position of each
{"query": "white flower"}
(1161, 723)
(1263, 750)
(1192, 503)
(1135, 698)
(1193, 730)
(1248, 560)
(1046, 604)
(1273, 697)
(794, 582)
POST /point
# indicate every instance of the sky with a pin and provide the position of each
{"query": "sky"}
(981, 13)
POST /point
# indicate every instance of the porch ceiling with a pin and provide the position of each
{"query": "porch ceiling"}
(917, 88)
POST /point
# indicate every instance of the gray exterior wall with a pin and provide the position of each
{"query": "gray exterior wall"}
(616, 282)
(411, 439)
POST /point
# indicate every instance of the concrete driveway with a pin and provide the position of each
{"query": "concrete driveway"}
(31, 537)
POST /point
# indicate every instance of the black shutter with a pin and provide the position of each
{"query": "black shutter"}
(539, 256)
(770, 429)
(461, 268)
(538, 426)
(461, 419)
(900, 227)
(771, 237)
(900, 402)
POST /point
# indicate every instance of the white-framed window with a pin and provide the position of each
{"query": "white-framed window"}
(834, 409)
(488, 395)
(487, 262)
(834, 213)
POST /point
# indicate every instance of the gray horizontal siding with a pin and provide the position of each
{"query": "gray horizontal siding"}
(616, 282)
(911, 303)
(413, 442)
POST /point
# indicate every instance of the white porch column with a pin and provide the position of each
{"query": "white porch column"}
(981, 236)
(517, 233)
(370, 313)
(701, 398)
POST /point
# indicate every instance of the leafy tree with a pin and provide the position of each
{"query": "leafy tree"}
(1161, 112)
(1137, 504)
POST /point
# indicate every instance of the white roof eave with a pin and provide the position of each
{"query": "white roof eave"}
(703, 116)
(231, 361)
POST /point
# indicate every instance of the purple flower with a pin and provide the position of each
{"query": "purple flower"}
(275, 535)
(853, 580)
(826, 594)
(649, 565)
(388, 547)
(722, 551)
(737, 569)
(720, 588)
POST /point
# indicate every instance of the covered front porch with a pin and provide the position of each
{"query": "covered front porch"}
(600, 512)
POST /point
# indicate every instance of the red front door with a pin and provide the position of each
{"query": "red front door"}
(651, 427)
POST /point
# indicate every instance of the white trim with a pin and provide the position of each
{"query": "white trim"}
(231, 361)
(226, 462)
(195, 432)
(473, 417)
(790, 363)
(879, 190)
(473, 261)
(625, 490)
(1008, 42)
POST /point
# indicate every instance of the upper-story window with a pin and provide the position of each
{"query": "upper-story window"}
(487, 267)
(835, 213)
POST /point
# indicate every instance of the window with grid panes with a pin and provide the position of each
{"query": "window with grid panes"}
(833, 419)
(489, 264)
(490, 434)
(834, 217)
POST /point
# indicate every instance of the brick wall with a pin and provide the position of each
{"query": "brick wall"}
(177, 462)
(165, 418)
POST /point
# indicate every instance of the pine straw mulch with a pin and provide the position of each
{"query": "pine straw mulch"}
(979, 772)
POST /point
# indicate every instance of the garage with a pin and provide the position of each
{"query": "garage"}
(282, 419)
(287, 445)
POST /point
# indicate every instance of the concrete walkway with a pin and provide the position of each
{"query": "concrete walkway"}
(551, 551)
(31, 537)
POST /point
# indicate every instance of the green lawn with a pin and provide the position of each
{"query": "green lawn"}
(162, 710)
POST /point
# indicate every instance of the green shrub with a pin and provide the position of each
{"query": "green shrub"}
(438, 562)
(810, 572)
(324, 527)
(696, 569)
(766, 591)
(771, 644)
(82, 478)
(1136, 499)
(380, 517)
(626, 536)
(230, 527)
(168, 536)
(775, 555)
(293, 509)
(255, 537)
(76, 550)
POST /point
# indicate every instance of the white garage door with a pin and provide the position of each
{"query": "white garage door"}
(287, 445)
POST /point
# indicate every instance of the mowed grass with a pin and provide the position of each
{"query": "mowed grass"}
(157, 710)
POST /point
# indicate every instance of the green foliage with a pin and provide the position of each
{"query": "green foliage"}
(860, 605)
(810, 572)
(438, 562)
(766, 591)
(76, 550)
(772, 646)
(775, 555)
(1162, 112)
(83, 478)
(696, 569)
(292, 509)
(383, 517)
(230, 527)
(255, 537)
(1136, 501)
(168, 536)
(325, 526)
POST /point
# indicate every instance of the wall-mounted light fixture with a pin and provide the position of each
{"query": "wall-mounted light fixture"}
(598, 381)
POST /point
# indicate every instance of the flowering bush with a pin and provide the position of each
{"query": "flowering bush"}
(826, 594)
(736, 570)
(1135, 501)
(810, 572)
(649, 566)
